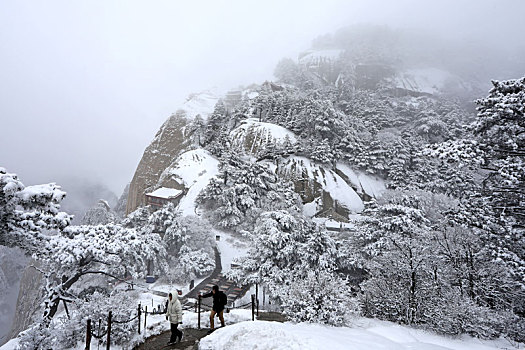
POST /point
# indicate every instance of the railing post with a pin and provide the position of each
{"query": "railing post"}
(98, 336)
(253, 307)
(139, 309)
(88, 335)
(264, 295)
(145, 315)
(257, 297)
(108, 340)
(199, 313)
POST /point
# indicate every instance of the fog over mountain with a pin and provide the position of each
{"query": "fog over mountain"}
(358, 163)
(84, 86)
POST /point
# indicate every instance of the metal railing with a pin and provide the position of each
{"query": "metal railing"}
(198, 307)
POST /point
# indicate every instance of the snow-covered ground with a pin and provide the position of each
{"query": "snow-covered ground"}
(157, 324)
(253, 135)
(365, 335)
(230, 248)
(195, 168)
(171, 287)
(428, 80)
(314, 57)
(331, 182)
(202, 103)
(371, 185)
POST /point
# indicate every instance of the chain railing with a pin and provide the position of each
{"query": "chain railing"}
(198, 307)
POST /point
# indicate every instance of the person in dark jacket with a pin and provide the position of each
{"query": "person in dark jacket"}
(219, 302)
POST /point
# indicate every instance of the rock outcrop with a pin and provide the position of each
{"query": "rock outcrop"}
(100, 214)
(169, 142)
(29, 299)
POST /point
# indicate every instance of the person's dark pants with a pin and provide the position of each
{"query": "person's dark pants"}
(212, 315)
(175, 332)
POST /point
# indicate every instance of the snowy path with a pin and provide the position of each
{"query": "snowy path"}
(189, 341)
(227, 252)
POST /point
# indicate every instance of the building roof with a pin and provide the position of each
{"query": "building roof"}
(165, 192)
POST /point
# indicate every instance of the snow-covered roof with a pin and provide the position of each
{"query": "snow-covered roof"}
(165, 192)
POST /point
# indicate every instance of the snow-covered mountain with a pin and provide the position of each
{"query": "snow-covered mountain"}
(355, 186)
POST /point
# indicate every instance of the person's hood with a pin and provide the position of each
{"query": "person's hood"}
(175, 295)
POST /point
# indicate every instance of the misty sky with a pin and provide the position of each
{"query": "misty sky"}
(84, 86)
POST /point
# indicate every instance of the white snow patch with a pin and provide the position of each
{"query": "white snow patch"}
(202, 103)
(428, 80)
(315, 57)
(329, 180)
(310, 209)
(371, 185)
(333, 224)
(251, 95)
(376, 335)
(10, 345)
(165, 192)
(263, 133)
(195, 168)
(230, 248)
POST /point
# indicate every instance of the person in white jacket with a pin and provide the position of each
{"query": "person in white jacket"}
(174, 315)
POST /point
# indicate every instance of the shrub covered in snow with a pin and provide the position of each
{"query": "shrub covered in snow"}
(318, 297)
(297, 261)
(426, 270)
(67, 332)
(188, 241)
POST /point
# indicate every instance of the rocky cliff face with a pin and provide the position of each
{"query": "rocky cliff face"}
(169, 142)
(12, 263)
(172, 161)
(29, 298)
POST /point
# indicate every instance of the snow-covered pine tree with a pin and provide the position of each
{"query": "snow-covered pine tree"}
(217, 129)
(242, 190)
(188, 242)
(500, 128)
(110, 250)
(426, 266)
(394, 241)
(25, 212)
(298, 261)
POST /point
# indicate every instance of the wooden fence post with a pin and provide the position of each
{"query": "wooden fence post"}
(257, 297)
(253, 307)
(99, 338)
(145, 315)
(199, 313)
(88, 335)
(264, 295)
(108, 341)
(139, 309)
